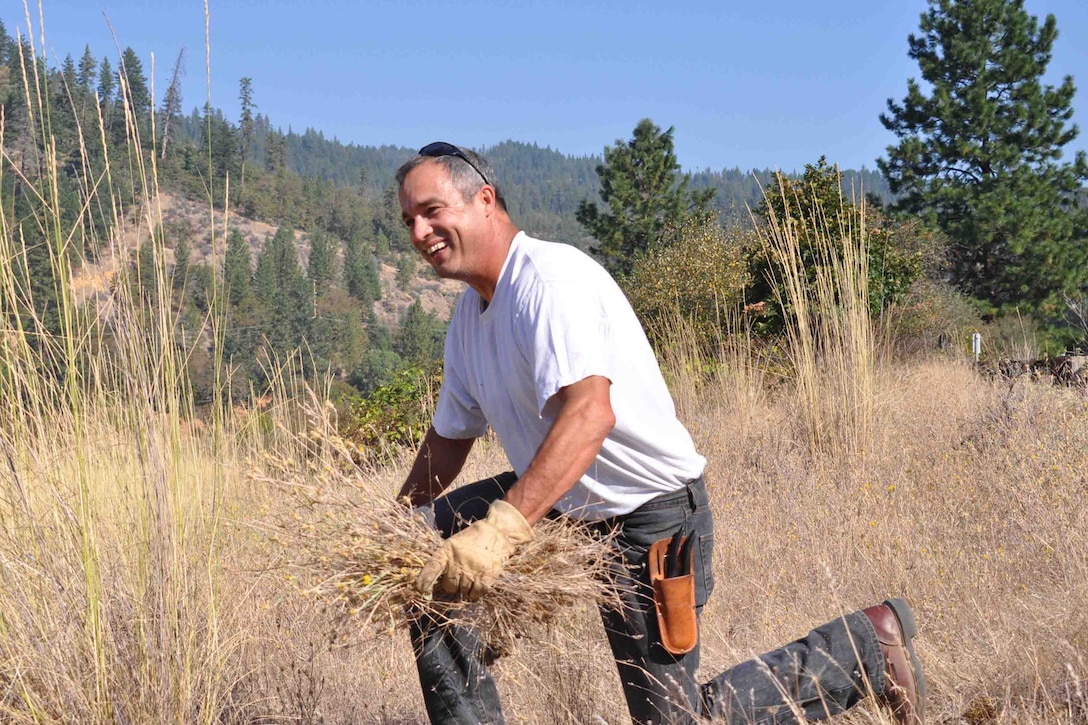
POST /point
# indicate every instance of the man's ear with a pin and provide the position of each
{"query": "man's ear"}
(486, 194)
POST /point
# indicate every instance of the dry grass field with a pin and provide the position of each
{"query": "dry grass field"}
(140, 584)
(141, 580)
(969, 503)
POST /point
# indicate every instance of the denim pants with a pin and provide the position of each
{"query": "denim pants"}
(819, 675)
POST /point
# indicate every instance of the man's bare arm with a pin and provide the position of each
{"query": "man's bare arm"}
(584, 421)
(437, 464)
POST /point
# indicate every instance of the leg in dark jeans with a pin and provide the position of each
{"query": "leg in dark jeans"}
(659, 687)
(817, 676)
(457, 688)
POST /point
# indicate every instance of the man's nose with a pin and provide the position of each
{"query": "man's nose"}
(419, 230)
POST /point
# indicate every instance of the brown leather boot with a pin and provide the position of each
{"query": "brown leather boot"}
(905, 688)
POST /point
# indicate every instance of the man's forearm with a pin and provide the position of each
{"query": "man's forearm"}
(568, 451)
(437, 464)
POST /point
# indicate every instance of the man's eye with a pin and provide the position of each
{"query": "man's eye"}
(407, 221)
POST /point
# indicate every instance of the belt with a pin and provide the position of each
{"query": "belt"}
(692, 494)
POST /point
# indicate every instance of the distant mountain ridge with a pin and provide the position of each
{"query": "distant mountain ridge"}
(543, 186)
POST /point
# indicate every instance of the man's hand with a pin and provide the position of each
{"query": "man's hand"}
(470, 560)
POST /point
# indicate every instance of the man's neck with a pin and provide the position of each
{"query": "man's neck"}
(489, 280)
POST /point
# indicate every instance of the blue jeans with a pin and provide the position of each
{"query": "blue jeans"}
(820, 675)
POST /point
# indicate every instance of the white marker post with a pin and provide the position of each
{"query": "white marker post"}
(976, 345)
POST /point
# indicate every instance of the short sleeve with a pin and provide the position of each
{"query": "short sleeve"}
(457, 414)
(565, 333)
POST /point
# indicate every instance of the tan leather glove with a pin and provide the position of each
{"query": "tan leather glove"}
(470, 560)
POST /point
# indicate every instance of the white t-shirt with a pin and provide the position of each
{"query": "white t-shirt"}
(556, 318)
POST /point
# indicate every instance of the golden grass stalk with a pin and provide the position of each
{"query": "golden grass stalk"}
(829, 332)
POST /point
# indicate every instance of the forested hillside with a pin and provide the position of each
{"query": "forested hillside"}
(313, 277)
(543, 186)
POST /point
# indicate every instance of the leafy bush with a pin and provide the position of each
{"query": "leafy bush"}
(698, 268)
(395, 416)
(932, 316)
(814, 207)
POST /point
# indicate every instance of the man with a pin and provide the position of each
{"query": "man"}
(544, 349)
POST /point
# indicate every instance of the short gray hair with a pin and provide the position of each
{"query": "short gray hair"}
(467, 180)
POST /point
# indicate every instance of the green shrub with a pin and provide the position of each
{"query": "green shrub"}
(814, 207)
(395, 415)
(698, 268)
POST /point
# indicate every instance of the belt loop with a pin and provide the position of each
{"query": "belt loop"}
(691, 493)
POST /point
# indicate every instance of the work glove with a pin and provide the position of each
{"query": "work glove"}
(468, 562)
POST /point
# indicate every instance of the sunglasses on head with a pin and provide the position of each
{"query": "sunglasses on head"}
(441, 148)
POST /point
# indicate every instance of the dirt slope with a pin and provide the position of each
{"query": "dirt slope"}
(181, 216)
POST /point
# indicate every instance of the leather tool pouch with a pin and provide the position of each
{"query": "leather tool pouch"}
(674, 600)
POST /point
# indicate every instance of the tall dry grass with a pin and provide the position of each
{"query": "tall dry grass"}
(113, 544)
(967, 502)
(137, 585)
(829, 331)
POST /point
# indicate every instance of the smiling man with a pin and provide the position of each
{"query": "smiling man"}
(544, 349)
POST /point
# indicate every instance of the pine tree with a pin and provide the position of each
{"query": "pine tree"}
(132, 73)
(419, 339)
(275, 155)
(264, 278)
(389, 222)
(284, 292)
(35, 269)
(382, 248)
(245, 122)
(171, 103)
(360, 276)
(69, 74)
(980, 152)
(406, 270)
(237, 270)
(321, 264)
(87, 67)
(147, 273)
(182, 256)
(282, 255)
(106, 82)
(16, 110)
(7, 78)
(643, 192)
(7, 44)
(219, 143)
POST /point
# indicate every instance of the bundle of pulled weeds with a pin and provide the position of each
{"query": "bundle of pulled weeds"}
(358, 552)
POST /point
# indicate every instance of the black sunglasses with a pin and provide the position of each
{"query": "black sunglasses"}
(441, 148)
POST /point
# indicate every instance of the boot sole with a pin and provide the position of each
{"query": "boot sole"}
(903, 613)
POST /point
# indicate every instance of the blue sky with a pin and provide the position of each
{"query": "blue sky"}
(745, 84)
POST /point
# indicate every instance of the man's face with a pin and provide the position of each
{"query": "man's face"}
(442, 225)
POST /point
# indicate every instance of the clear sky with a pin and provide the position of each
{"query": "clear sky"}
(745, 84)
